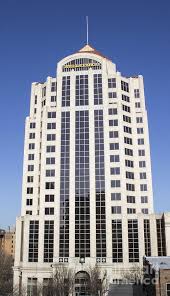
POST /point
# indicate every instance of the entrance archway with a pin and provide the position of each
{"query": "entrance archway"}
(82, 283)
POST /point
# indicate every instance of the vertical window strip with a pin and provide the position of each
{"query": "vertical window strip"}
(66, 91)
(161, 241)
(64, 185)
(133, 241)
(98, 92)
(82, 185)
(33, 241)
(117, 244)
(100, 185)
(82, 89)
(48, 241)
(147, 238)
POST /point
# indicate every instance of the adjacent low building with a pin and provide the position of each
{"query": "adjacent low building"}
(157, 276)
(7, 241)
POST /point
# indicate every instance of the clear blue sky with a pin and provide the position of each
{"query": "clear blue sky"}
(35, 34)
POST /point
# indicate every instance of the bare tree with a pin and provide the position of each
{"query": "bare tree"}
(6, 274)
(97, 281)
(62, 283)
(134, 275)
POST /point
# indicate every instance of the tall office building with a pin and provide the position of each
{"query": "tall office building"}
(87, 183)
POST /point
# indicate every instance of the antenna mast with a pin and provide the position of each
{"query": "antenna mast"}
(87, 27)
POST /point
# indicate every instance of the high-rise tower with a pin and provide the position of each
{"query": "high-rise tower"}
(87, 184)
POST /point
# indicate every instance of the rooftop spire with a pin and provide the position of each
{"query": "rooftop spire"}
(87, 30)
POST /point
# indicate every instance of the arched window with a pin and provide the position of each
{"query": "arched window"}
(82, 283)
(82, 64)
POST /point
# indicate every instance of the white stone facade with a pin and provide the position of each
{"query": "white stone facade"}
(130, 173)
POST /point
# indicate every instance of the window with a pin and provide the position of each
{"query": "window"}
(82, 64)
(130, 187)
(129, 163)
(126, 108)
(113, 122)
(145, 211)
(30, 156)
(144, 199)
(114, 146)
(113, 134)
(51, 125)
(141, 152)
(147, 237)
(131, 211)
(29, 202)
(141, 141)
(32, 136)
(33, 241)
(32, 124)
(112, 95)
(50, 160)
(115, 183)
(53, 86)
(133, 242)
(32, 286)
(30, 179)
(161, 240)
(98, 92)
(51, 137)
(129, 175)
(142, 175)
(115, 171)
(29, 190)
(127, 129)
(112, 111)
(50, 149)
(117, 242)
(140, 130)
(35, 102)
(49, 198)
(116, 210)
(126, 118)
(137, 105)
(128, 140)
(50, 173)
(30, 168)
(130, 199)
(139, 120)
(31, 146)
(125, 86)
(51, 114)
(53, 99)
(143, 187)
(48, 241)
(128, 152)
(43, 103)
(114, 158)
(142, 164)
(115, 196)
(136, 93)
(125, 98)
(49, 211)
(50, 185)
(44, 91)
(28, 212)
(167, 289)
(82, 92)
(112, 83)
